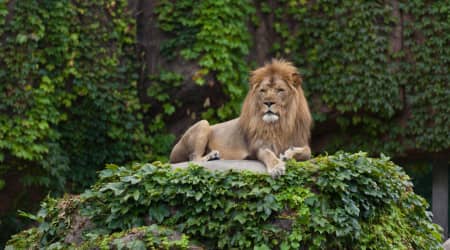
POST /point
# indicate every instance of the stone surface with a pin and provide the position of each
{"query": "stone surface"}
(446, 245)
(224, 165)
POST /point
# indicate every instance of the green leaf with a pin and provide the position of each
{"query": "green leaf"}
(21, 38)
(117, 187)
(158, 212)
(240, 217)
(169, 108)
(136, 195)
(262, 247)
(133, 179)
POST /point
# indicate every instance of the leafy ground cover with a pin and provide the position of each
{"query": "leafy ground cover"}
(340, 201)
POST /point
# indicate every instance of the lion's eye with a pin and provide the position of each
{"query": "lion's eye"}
(280, 90)
(262, 90)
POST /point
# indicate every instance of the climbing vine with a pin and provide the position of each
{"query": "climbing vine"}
(340, 201)
(68, 96)
(344, 51)
(69, 75)
(163, 83)
(425, 70)
(215, 34)
(60, 80)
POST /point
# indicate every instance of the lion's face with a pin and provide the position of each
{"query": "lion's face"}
(275, 110)
(272, 98)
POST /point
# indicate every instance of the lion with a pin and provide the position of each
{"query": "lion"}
(274, 124)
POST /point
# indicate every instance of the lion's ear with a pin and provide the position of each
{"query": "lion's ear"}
(297, 79)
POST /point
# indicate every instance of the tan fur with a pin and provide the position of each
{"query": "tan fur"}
(257, 133)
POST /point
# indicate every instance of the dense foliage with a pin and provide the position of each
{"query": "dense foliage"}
(348, 54)
(70, 75)
(214, 33)
(339, 201)
(355, 74)
(68, 96)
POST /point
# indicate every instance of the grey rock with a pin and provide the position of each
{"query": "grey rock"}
(225, 165)
(446, 245)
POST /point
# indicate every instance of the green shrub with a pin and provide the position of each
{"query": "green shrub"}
(339, 201)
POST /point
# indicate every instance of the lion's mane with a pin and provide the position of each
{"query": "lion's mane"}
(295, 124)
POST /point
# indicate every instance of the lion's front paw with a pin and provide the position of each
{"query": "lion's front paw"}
(211, 156)
(283, 157)
(277, 170)
(297, 153)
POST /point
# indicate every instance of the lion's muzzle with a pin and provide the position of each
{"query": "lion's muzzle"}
(270, 117)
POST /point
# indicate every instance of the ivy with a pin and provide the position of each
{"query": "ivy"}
(429, 72)
(68, 98)
(338, 201)
(343, 50)
(214, 34)
(159, 90)
(68, 70)
(151, 237)
(30, 92)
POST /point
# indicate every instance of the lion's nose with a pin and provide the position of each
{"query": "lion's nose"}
(268, 104)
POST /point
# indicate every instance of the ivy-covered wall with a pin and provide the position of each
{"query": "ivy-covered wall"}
(85, 83)
(68, 90)
(68, 97)
(376, 73)
(382, 70)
